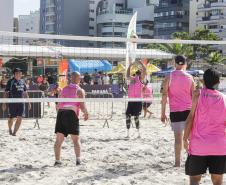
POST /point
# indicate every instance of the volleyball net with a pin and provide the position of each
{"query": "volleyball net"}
(102, 63)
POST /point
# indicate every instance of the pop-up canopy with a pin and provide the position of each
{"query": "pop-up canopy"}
(89, 66)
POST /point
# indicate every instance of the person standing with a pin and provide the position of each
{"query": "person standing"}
(148, 94)
(106, 79)
(67, 122)
(135, 91)
(15, 88)
(4, 81)
(178, 87)
(205, 137)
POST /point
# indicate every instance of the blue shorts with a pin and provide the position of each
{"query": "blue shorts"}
(16, 110)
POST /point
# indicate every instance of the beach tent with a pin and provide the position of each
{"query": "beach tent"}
(120, 69)
(150, 69)
(89, 66)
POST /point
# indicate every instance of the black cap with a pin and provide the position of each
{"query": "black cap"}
(211, 77)
(180, 60)
(17, 70)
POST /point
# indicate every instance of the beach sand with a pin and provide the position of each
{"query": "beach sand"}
(108, 158)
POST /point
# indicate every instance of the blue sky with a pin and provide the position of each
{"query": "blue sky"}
(23, 7)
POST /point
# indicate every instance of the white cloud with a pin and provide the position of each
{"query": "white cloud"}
(23, 7)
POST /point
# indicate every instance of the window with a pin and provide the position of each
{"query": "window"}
(91, 2)
(92, 11)
(91, 27)
(91, 19)
(164, 3)
(119, 5)
(148, 2)
(212, 27)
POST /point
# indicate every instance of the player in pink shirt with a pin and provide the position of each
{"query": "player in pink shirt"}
(147, 93)
(67, 122)
(178, 88)
(205, 134)
(135, 91)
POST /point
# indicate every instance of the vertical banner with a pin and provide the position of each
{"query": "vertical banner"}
(63, 73)
(131, 46)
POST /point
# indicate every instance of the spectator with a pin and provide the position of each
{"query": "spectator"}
(31, 85)
(45, 87)
(96, 77)
(4, 81)
(39, 80)
(87, 78)
(106, 79)
(15, 88)
(50, 78)
(100, 79)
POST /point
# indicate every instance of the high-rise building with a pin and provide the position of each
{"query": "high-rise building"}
(65, 17)
(29, 24)
(211, 15)
(6, 18)
(110, 18)
(174, 16)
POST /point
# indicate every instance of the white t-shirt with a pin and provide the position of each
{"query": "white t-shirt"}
(106, 80)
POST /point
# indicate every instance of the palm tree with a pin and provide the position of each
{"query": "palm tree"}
(188, 50)
(215, 58)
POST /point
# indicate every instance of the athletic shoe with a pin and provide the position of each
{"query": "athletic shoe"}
(78, 162)
(57, 163)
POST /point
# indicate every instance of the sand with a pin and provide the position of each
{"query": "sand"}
(108, 158)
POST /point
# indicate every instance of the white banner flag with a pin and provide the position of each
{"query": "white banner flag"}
(131, 46)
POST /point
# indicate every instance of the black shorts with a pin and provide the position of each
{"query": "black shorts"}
(146, 104)
(134, 108)
(179, 116)
(16, 110)
(197, 165)
(67, 123)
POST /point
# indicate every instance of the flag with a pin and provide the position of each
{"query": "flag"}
(131, 46)
(63, 73)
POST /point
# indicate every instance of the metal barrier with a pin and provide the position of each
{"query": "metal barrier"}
(36, 112)
(100, 110)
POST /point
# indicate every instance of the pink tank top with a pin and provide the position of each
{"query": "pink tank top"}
(180, 91)
(70, 91)
(135, 87)
(148, 92)
(208, 135)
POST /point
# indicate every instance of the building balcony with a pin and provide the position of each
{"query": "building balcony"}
(50, 5)
(126, 12)
(110, 17)
(50, 13)
(115, 29)
(212, 6)
(143, 31)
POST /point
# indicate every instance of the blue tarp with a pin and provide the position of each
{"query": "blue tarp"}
(89, 66)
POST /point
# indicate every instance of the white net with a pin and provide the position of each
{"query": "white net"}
(102, 64)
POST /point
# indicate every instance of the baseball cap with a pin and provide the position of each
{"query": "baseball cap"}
(180, 60)
(17, 70)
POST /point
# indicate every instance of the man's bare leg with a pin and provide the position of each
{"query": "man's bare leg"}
(10, 124)
(217, 179)
(178, 147)
(194, 180)
(17, 125)
(145, 112)
(77, 148)
(57, 145)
